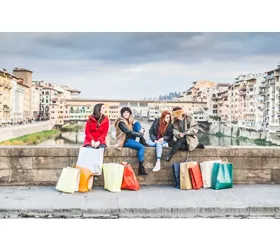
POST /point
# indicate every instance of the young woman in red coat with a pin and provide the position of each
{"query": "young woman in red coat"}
(97, 127)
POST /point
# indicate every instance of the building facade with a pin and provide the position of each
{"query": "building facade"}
(5, 96)
(79, 109)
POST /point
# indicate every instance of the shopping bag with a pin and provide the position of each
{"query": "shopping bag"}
(196, 177)
(86, 180)
(69, 180)
(129, 181)
(206, 168)
(176, 174)
(185, 179)
(113, 176)
(222, 175)
(91, 159)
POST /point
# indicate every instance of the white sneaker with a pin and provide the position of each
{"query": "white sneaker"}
(157, 166)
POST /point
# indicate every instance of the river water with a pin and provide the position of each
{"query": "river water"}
(77, 138)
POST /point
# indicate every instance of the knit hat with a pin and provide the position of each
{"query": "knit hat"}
(177, 113)
(126, 109)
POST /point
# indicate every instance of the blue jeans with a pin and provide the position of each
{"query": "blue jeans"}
(131, 143)
(137, 126)
(158, 146)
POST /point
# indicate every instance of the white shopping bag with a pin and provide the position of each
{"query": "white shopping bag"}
(206, 168)
(69, 180)
(91, 159)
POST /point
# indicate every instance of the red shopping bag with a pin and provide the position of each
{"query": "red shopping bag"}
(130, 181)
(196, 177)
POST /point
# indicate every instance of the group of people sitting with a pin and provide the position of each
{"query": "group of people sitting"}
(174, 129)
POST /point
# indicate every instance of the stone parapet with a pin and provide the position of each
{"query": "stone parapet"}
(33, 165)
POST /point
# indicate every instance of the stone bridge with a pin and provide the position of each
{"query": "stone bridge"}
(38, 165)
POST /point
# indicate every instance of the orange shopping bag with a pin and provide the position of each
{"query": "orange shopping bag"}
(86, 179)
(196, 176)
(130, 181)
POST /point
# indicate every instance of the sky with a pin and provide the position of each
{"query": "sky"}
(138, 65)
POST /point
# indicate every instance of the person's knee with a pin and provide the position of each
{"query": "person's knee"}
(137, 126)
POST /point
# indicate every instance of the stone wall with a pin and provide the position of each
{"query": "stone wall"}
(31, 165)
(7, 133)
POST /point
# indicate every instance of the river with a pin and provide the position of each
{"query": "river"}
(77, 138)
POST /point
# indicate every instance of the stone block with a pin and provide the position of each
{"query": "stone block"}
(275, 173)
(5, 176)
(259, 176)
(50, 162)
(239, 175)
(270, 163)
(246, 163)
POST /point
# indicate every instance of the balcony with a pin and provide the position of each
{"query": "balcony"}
(242, 92)
(270, 76)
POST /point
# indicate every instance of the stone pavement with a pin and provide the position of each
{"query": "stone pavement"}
(242, 201)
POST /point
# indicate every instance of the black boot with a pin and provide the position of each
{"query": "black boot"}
(200, 145)
(168, 157)
(143, 141)
(141, 169)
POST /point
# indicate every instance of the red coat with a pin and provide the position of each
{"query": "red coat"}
(96, 133)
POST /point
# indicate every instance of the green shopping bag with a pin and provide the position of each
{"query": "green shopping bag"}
(222, 175)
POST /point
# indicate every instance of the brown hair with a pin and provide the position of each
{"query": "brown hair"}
(162, 123)
(96, 113)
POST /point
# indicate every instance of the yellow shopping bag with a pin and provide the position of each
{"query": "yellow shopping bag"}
(69, 180)
(86, 179)
(113, 176)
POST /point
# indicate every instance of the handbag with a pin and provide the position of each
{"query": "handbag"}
(91, 159)
(222, 175)
(176, 174)
(185, 178)
(206, 168)
(129, 181)
(86, 179)
(196, 177)
(69, 180)
(113, 176)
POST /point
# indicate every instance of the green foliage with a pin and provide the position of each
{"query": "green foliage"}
(30, 139)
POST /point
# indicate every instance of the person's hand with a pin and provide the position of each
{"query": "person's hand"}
(181, 135)
(155, 141)
(142, 130)
(160, 140)
(97, 144)
(92, 143)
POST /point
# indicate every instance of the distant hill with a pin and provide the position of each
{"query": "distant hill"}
(168, 97)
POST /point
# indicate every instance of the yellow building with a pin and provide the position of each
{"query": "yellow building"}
(5, 97)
